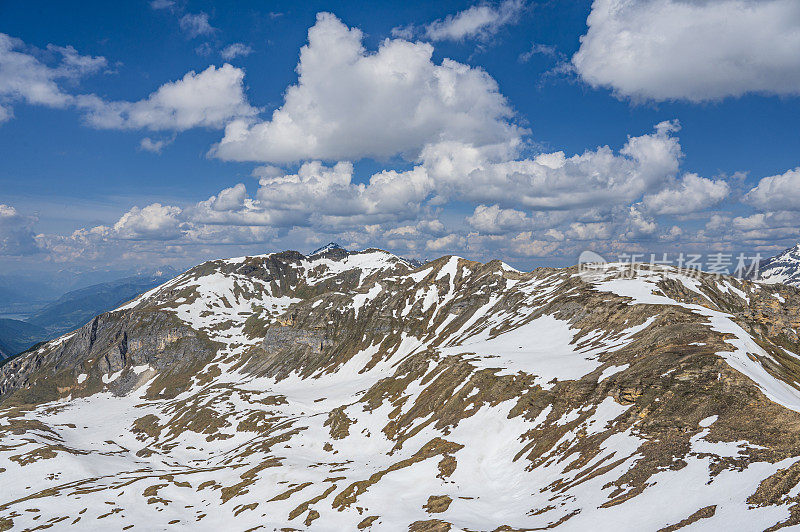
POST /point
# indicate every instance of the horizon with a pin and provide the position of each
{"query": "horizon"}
(168, 133)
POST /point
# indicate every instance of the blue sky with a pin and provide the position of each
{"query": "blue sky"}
(124, 138)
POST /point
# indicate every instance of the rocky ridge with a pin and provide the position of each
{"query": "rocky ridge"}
(357, 391)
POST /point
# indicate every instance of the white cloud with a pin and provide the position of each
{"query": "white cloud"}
(672, 235)
(420, 228)
(578, 198)
(153, 222)
(24, 77)
(770, 229)
(209, 99)
(692, 194)
(524, 244)
(447, 242)
(234, 50)
(155, 145)
(196, 24)
(638, 225)
(540, 49)
(692, 50)
(329, 194)
(230, 198)
(16, 232)
(777, 192)
(480, 21)
(468, 187)
(772, 226)
(73, 64)
(319, 195)
(350, 103)
(589, 231)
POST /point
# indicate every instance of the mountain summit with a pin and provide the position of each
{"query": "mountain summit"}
(326, 248)
(357, 391)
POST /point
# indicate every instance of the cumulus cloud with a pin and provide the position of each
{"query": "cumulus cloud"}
(329, 194)
(208, 99)
(510, 195)
(235, 50)
(444, 243)
(196, 24)
(589, 230)
(692, 194)
(526, 245)
(494, 220)
(555, 181)
(563, 198)
(420, 228)
(349, 103)
(777, 192)
(319, 195)
(478, 22)
(153, 222)
(691, 50)
(16, 232)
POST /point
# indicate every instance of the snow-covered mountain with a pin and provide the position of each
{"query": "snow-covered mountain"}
(782, 268)
(330, 246)
(347, 391)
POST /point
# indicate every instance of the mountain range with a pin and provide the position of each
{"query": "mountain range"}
(357, 391)
(16, 336)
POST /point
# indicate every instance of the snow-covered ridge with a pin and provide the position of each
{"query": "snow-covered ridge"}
(783, 268)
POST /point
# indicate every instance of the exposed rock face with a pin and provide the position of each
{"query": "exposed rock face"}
(347, 391)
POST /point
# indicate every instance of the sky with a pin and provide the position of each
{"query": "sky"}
(172, 132)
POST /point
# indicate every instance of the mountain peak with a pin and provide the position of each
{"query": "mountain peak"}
(330, 246)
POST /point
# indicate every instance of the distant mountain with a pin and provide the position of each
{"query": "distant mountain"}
(20, 297)
(17, 336)
(77, 307)
(783, 268)
(23, 293)
(69, 311)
